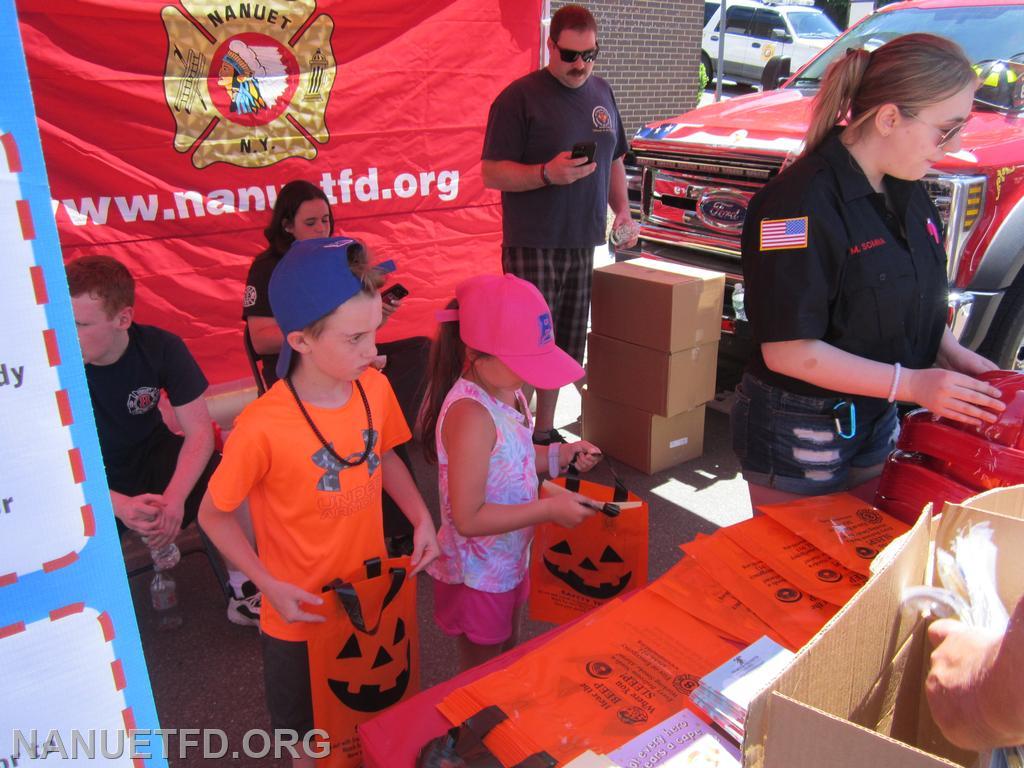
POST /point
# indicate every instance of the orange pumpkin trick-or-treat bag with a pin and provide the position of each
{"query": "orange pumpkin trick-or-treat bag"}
(849, 529)
(796, 559)
(608, 678)
(573, 570)
(794, 615)
(365, 656)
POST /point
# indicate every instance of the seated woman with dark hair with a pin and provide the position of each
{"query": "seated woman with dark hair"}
(302, 211)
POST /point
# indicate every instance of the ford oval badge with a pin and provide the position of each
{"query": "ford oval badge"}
(722, 210)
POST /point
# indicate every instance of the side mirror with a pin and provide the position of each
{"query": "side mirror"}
(775, 72)
(781, 36)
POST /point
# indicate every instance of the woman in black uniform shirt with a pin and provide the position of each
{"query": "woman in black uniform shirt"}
(301, 212)
(845, 278)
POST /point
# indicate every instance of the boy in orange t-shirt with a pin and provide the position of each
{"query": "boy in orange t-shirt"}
(312, 456)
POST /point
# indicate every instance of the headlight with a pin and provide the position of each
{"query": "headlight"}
(960, 200)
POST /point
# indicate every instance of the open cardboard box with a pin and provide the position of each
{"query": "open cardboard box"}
(854, 695)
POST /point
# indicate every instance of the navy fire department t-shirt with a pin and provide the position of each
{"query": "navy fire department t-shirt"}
(531, 121)
(125, 395)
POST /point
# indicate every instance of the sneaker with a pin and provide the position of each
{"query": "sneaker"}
(547, 438)
(244, 608)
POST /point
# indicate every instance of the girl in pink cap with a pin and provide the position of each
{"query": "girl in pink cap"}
(496, 336)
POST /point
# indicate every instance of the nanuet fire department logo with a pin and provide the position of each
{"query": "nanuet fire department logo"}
(248, 82)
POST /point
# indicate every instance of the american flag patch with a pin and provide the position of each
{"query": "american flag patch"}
(777, 234)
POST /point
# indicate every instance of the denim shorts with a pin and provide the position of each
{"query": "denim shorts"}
(790, 442)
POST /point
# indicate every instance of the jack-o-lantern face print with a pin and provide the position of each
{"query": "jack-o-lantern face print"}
(600, 574)
(372, 670)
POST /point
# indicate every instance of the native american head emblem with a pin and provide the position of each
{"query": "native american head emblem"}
(242, 87)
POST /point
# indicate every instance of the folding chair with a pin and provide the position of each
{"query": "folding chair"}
(254, 361)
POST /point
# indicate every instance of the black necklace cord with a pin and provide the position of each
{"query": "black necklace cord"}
(327, 446)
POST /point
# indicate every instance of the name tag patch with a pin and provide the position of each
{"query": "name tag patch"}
(867, 245)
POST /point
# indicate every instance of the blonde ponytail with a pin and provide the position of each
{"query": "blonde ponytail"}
(834, 101)
(912, 72)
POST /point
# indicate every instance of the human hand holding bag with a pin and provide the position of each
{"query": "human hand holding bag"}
(575, 570)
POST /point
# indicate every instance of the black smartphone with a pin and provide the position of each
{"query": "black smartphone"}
(585, 149)
(396, 292)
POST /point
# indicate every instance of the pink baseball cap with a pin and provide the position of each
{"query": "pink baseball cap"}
(506, 316)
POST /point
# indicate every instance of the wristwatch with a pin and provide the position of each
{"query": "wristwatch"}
(544, 175)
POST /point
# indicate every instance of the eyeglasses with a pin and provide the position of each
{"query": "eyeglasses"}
(944, 136)
(569, 56)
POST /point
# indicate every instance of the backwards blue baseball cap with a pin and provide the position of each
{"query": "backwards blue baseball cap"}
(311, 281)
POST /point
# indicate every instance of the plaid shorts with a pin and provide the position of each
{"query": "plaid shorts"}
(563, 276)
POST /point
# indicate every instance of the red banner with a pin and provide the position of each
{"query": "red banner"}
(169, 127)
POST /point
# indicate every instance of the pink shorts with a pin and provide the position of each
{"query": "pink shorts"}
(485, 618)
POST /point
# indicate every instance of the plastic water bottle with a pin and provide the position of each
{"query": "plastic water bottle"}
(737, 302)
(162, 589)
(166, 557)
(624, 233)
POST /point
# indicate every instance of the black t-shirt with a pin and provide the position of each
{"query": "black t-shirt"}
(256, 303)
(125, 395)
(821, 261)
(531, 121)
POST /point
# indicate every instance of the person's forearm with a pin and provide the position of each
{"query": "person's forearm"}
(229, 537)
(193, 457)
(510, 176)
(401, 487)
(265, 335)
(948, 348)
(819, 363)
(492, 519)
(1000, 698)
(618, 191)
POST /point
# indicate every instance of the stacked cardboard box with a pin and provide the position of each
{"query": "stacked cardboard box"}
(651, 360)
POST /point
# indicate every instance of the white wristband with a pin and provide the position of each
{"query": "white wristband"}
(897, 370)
(554, 461)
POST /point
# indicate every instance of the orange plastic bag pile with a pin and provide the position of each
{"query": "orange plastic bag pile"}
(794, 615)
(622, 669)
(691, 588)
(845, 527)
(574, 570)
(365, 656)
(796, 559)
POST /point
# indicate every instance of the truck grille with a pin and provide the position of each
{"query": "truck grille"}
(699, 200)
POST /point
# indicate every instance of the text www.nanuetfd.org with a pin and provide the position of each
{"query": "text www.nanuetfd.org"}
(343, 188)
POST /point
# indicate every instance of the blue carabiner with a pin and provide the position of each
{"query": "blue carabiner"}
(852, 410)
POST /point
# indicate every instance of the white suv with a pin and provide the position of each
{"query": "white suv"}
(756, 31)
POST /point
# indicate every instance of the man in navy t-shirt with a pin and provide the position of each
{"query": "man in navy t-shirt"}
(156, 478)
(554, 206)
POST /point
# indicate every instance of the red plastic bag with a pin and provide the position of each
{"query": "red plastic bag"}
(1008, 429)
(908, 483)
(964, 456)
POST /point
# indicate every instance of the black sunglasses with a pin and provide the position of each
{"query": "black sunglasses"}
(569, 56)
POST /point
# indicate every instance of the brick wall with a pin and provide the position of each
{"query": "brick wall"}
(650, 51)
